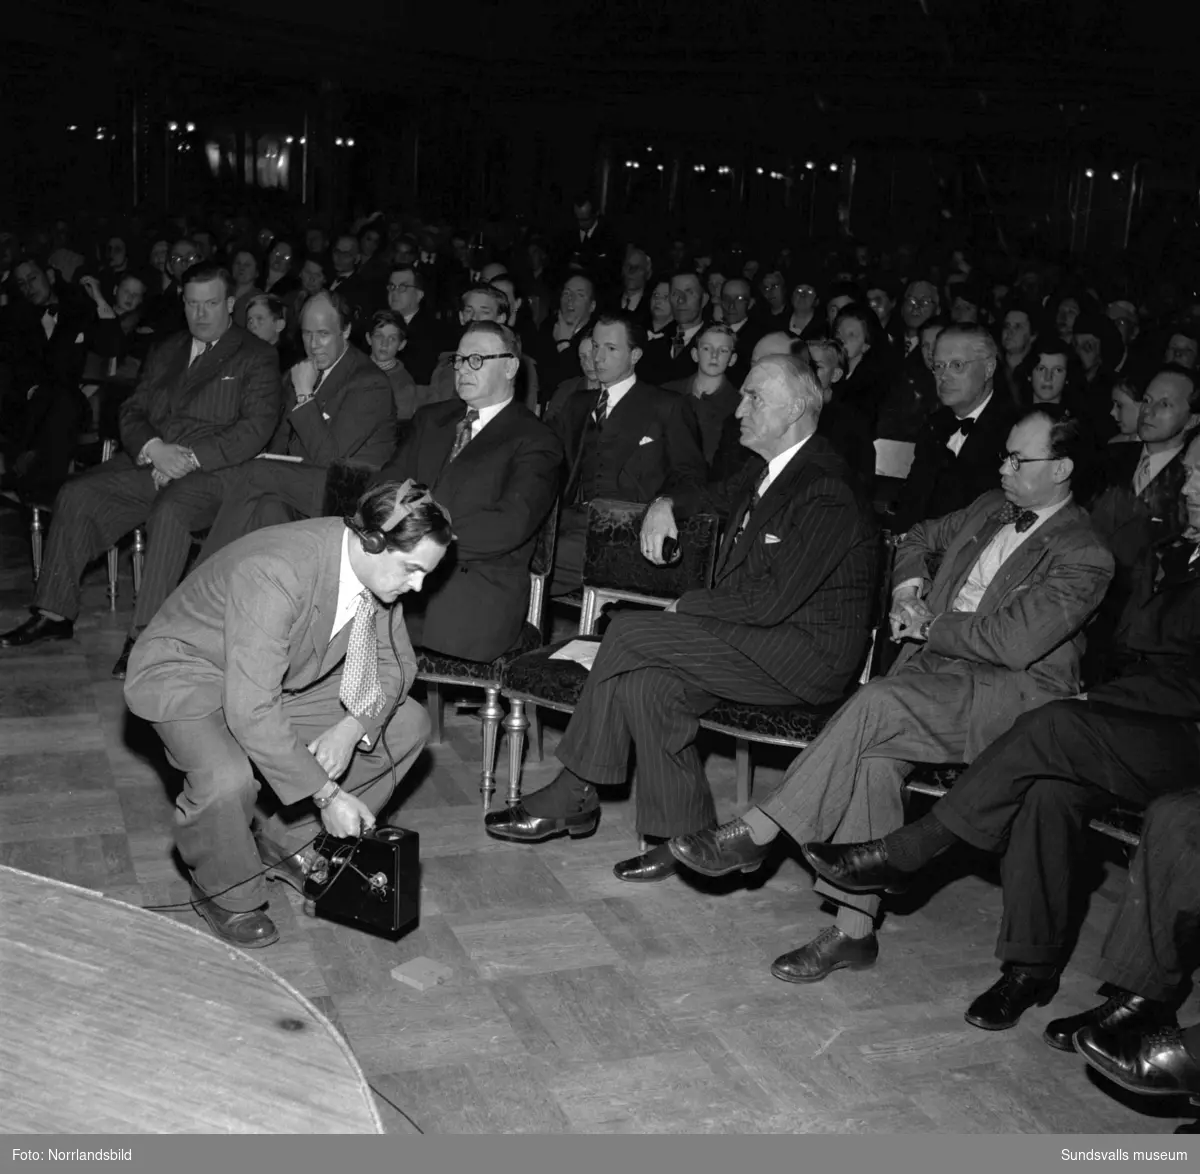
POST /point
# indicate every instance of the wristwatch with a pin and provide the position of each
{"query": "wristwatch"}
(325, 796)
(923, 630)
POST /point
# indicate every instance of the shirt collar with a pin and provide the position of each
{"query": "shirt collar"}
(617, 390)
(777, 464)
(974, 415)
(323, 375)
(489, 413)
(350, 586)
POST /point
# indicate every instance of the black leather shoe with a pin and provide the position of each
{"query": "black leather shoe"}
(1123, 1011)
(1157, 1063)
(35, 629)
(291, 870)
(830, 950)
(1002, 1004)
(515, 823)
(249, 930)
(122, 666)
(655, 865)
(716, 851)
(856, 868)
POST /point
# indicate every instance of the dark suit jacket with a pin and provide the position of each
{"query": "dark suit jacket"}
(939, 482)
(650, 443)
(421, 348)
(224, 407)
(795, 590)
(56, 362)
(713, 411)
(1022, 647)
(658, 367)
(249, 625)
(351, 418)
(497, 491)
(555, 366)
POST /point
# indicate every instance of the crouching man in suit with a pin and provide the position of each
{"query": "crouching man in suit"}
(495, 468)
(785, 622)
(996, 633)
(285, 653)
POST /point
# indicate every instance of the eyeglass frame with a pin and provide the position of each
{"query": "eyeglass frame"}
(1014, 460)
(476, 361)
(396, 287)
(936, 368)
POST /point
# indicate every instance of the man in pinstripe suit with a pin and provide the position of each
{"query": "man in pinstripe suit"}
(786, 621)
(207, 400)
(997, 631)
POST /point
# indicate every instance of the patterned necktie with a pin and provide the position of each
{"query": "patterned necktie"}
(1022, 519)
(754, 500)
(462, 434)
(199, 354)
(361, 693)
(678, 343)
(600, 412)
(1141, 475)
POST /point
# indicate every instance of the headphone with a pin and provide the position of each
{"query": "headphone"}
(375, 541)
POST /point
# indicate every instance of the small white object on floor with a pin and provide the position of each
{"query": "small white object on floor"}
(422, 974)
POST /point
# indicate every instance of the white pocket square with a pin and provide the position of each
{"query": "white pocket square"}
(647, 440)
(79, 339)
(226, 378)
(770, 538)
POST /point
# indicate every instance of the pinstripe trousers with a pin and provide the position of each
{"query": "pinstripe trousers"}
(655, 676)
(1153, 943)
(100, 506)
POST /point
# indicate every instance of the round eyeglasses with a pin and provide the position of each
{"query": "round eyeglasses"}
(475, 362)
(1014, 460)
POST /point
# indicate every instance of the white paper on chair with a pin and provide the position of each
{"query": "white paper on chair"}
(580, 651)
(893, 458)
(277, 456)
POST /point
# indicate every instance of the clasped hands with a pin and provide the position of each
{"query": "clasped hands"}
(909, 612)
(347, 815)
(170, 461)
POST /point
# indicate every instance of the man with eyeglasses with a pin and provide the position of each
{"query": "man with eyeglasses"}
(1133, 736)
(406, 298)
(737, 305)
(670, 358)
(994, 631)
(166, 315)
(954, 458)
(358, 290)
(919, 305)
(633, 296)
(494, 468)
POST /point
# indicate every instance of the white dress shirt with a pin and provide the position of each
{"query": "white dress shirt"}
(617, 392)
(350, 587)
(1150, 465)
(690, 333)
(958, 438)
(631, 301)
(487, 415)
(776, 465)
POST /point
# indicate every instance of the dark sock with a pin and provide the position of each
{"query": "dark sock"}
(564, 796)
(914, 846)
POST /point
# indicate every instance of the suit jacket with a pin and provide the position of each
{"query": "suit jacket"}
(224, 407)
(794, 591)
(420, 353)
(497, 491)
(1023, 645)
(650, 443)
(246, 628)
(351, 418)
(56, 362)
(713, 411)
(658, 367)
(555, 366)
(939, 482)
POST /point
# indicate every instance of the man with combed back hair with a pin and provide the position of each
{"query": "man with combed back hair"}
(285, 653)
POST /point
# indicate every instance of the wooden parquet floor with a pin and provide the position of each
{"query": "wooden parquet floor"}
(578, 1003)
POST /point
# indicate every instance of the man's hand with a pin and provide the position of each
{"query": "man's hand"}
(171, 460)
(909, 612)
(671, 606)
(657, 525)
(304, 379)
(335, 747)
(347, 816)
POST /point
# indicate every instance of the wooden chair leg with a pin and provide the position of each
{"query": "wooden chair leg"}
(139, 559)
(745, 772)
(435, 706)
(113, 583)
(536, 732)
(491, 712)
(515, 726)
(37, 532)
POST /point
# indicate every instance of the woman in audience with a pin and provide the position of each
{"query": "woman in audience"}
(244, 270)
(867, 373)
(1126, 408)
(661, 316)
(805, 322)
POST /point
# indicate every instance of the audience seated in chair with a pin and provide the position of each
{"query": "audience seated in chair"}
(494, 467)
(785, 621)
(1030, 794)
(337, 406)
(206, 401)
(996, 633)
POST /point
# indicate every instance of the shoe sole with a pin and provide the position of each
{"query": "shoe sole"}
(847, 886)
(714, 871)
(645, 880)
(1059, 1045)
(258, 945)
(1140, 1089)
(824, 973)
(34, 643)
(576, 832)
(1011, 1025)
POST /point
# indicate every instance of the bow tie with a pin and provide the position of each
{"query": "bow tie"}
(1022, 519)
(428, 258)
(963, 426)
(52, 310)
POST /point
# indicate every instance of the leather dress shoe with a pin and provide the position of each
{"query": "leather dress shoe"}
(249, 930)
(1005, 1001)
(291, 870)
(655, 865)
(716, 851)
(856, 868)
(1123, 1011)
(1157, 1064)
(515, 823)
(35, 629)
(122, 666)
(830, 950)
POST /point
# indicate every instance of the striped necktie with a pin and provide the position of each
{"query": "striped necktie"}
(199, 354)
(361, 692)
(462, 434)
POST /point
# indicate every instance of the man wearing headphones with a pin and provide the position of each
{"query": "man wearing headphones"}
(283, 653)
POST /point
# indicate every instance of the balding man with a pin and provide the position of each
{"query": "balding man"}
(633, 299)
(786, 621)
(955, 456)
(991, 602)
(737, 301)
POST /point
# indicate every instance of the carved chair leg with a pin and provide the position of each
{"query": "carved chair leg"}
(113, 584)
(491, 712)
(37, 532)
(515, 726)
(138, 559)
(536, 731)
(435, 706)
(745, 772)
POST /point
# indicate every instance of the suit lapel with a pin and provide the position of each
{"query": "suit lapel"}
(779, 492)
(324, 606)
(498, 430)
(207, 365)
(333, 386)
